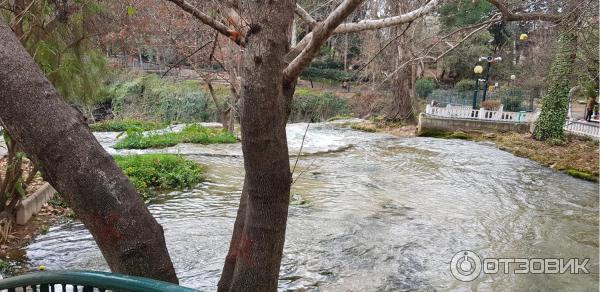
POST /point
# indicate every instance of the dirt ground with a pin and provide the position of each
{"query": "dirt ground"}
(21, 235)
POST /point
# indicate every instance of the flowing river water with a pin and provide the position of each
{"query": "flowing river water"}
(372, 212)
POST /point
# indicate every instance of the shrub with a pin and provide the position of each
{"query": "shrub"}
(511, 98)
(367, 104)
(153, 98)
(190, 134)
(126, 124)
(490, 105)
(317, 74)
(465, 85)
(327, 64)
(318, 107)
(424, 87)
(154, 173)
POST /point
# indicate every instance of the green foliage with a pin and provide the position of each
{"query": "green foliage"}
(190, 134)
(62, 49)
(363, 127)
(581, 174)
(465, 85)
(327, 64)
(316, 74)
(437, 133)
(122, 125)
(155, 173)
(512, 98)
(5, 266)
(555, 102)
(154, 98)
(464, 12)
(57, 201)
(318, 107)
(451, 96)
(424, 87)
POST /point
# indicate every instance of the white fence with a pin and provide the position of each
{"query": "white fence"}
(466, 112)
(582, 128)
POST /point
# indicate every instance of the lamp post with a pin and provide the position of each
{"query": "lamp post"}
(477, 70)
(490, 61)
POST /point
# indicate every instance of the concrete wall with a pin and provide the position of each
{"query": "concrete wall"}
(469, 125)
(32, 204)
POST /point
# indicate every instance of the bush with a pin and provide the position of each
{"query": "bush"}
(150, 97)
(125, 125)
(465, 85)
(511, 98)
(190, 134)
(327, 64)
(367, 104)
(317, 74)
(317, 108)
(154, 173)
(490, 105)
(424, 87)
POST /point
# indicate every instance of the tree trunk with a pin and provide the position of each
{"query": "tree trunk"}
(403, 99)
(555, 102)
(403, 102)
(56, 138)
(254, 257)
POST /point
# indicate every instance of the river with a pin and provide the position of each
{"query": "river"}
(372, 212)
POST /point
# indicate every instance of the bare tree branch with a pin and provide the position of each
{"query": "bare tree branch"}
(305, 16)
(431, 59)
(321, 33)
(218, 26)
(369, 25)
(508, 15)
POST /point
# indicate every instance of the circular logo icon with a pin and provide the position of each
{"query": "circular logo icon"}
(465, 266)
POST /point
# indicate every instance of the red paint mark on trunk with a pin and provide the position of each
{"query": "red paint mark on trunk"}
(243, 250)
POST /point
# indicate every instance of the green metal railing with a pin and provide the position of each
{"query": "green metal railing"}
(85, 281)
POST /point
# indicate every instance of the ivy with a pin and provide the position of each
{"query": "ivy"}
(555, 102)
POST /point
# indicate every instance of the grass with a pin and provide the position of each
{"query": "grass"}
(340, 117)
(364, 127)
(576, 157)
(126, 125)
(155, 173)
(190, 134)
(436, 133)
(581, 174)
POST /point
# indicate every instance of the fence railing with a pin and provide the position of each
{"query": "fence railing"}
(466, 112)
(582, 128)
(85, 281)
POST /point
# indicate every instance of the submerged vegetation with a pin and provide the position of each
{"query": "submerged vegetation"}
(155, 173)
(122, 125)
(190, 134)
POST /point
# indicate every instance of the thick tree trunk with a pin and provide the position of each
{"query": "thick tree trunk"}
(55, 136)
(256, 248)
(403, 102)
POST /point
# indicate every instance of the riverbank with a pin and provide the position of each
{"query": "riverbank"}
(577, 157)
(21, 235)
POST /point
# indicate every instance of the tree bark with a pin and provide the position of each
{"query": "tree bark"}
(56, 138)
(256, 247)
